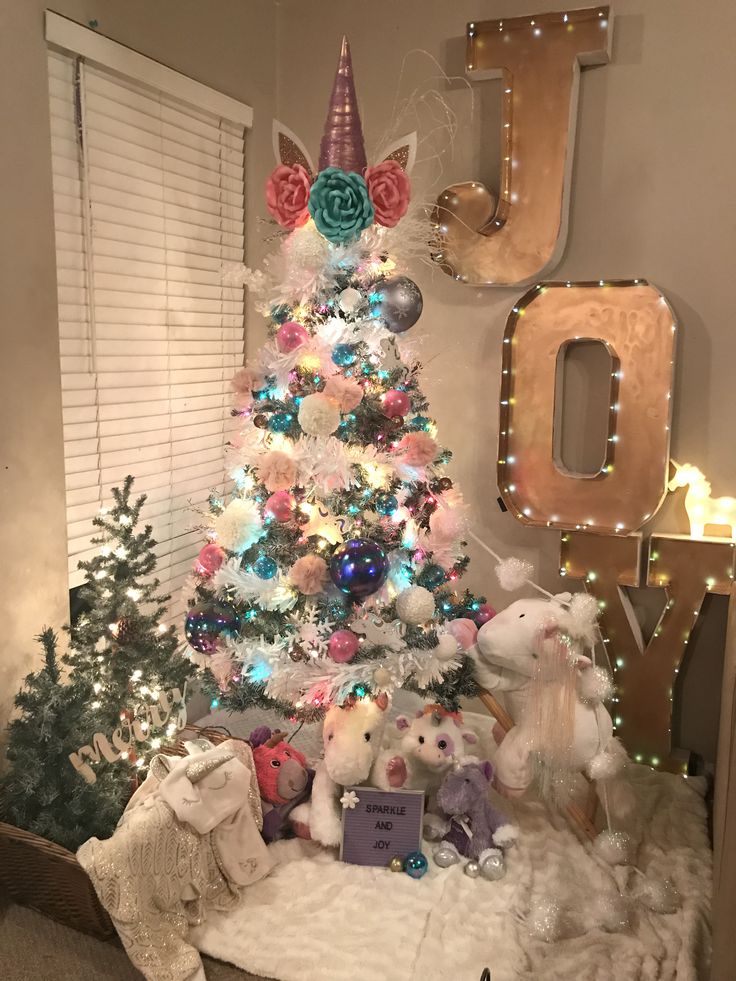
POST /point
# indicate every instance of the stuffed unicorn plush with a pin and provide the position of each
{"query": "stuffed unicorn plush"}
(430, 744)
(533, 653)
(352, 737)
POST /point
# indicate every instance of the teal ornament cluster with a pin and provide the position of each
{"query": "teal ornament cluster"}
(416, 864)
(340, 205)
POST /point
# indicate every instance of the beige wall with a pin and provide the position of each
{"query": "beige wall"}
(652, 196)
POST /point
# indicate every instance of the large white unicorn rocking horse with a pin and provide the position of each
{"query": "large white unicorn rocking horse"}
(702, 509)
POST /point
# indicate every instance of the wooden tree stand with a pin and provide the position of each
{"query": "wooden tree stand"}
(583, 818)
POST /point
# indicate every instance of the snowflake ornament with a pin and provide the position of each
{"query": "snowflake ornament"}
(349, 799)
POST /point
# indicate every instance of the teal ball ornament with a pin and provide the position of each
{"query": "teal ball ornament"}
(386, 504)
(431, 576)
(281, 422)
(416, 864)
(343, 355)
(265, 567)
(281, 313)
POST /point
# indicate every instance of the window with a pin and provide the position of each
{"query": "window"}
(148, 170)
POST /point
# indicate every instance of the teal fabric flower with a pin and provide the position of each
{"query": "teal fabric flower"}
(340, 205)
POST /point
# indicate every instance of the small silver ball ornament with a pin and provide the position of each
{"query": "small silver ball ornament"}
(493, 867)
(445, 856)
(472, 869)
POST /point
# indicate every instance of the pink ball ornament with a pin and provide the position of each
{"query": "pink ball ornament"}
(464, 631)
(395, 403)
(290, 336)
(343, 646)
(210, 559)
(483, 614)
(280, 506)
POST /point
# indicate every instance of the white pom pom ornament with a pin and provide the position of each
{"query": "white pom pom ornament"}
(513, 573)
(350, 300)
(613, 847)
(415, 605)
(239, 526)
(595, 685)
(446, 647)
(318, 415)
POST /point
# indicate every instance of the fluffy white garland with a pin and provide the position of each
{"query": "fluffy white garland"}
(330, 681)
(271, 594)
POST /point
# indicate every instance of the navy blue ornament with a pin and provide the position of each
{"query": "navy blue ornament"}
(416, 865)
(207, 622)
(359, 567)
(265, 567)
(386, 504)
(343, 355)
(281, 313)
(431, 576)
(280, 422)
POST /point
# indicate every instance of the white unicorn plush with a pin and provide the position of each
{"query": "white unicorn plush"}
(533, 653)
(702, 509)
(352, 736)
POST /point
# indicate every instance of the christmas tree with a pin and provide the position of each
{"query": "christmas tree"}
(41, 792)
(333, 571)
(122, 660)
(121, 646)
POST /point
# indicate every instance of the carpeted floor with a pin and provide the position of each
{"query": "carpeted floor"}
(34, 948)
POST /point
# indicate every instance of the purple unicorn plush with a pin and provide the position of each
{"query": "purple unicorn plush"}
(476, 830)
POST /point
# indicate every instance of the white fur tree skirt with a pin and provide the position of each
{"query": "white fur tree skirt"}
(316, 919)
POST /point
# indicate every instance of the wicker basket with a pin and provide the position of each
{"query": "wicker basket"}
(37, 873)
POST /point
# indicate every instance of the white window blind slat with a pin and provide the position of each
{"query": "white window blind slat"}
(149, 207)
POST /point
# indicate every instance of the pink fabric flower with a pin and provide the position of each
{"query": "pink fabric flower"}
(243, 383)
(345, 391)
(419, 449)
(277, 470)
(309, 574)
(287, 195)
(389, 188)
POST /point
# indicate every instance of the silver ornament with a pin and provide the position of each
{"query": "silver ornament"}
(401, 303)
(350, 300)
(493, 867)
(472, 869)
(611, 912)
(445, 856)
(659, 895)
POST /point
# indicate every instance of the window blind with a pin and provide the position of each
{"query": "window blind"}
(149, 205)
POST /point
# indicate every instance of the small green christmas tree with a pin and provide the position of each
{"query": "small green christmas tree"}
(122, 645)
(41, 792)
(122, 658)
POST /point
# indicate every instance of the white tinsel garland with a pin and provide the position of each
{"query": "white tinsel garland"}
(329, 681)
(271, 594)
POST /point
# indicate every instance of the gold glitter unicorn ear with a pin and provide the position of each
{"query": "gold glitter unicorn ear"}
(289, 149)
(403, 151)
(200, 768)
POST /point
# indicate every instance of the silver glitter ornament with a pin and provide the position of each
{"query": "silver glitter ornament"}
(611, 912)
(493, 867)
(659, 895)
(545, 921)
(349, 300)
(445, 856)
(400, 304)
(472, 869)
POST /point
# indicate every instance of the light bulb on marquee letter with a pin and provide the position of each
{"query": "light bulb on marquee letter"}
(519, 236)
(636, 324)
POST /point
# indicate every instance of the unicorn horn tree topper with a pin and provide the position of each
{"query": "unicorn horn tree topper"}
(330, 577)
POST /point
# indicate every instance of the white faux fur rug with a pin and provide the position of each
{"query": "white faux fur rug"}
(317, 919)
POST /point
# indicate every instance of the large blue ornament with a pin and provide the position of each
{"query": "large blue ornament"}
(265, 567)
(343, 355)
(359, 567)
(416, 864)
(207, 622)
(386, 504)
